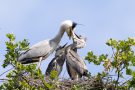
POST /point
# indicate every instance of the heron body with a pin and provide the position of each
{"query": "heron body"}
(75, 65)
(43, 49)
(72, 72)
(57, 62)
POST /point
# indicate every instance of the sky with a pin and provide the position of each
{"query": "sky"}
(37, 20)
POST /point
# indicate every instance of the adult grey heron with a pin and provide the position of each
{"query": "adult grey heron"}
(43, 49)
(57, 62)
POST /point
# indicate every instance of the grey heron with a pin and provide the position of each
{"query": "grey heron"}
(57, 62)
(43, 49)
(76, 66)
(59, 59)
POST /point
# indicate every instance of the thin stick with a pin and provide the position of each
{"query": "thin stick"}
(6, 71)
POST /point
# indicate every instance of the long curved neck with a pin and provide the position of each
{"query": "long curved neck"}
(58, 37)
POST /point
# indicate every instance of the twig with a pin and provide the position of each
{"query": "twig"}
(3, 79)
(125, 82)
(116, 84)
(6, 71)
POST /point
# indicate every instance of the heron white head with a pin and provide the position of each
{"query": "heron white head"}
(69, 26)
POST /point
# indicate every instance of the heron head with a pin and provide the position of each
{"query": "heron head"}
(69, 26)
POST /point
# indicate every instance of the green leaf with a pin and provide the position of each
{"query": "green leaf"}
(10, 36)
(54, 74)
(128, 71)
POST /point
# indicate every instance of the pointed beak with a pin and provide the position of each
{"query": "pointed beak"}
(64, 45)
(77, 36)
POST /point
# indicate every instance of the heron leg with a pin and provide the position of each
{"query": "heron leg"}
(77, 77)
(39, 63)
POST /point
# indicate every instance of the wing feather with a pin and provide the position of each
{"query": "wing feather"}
(43, 48)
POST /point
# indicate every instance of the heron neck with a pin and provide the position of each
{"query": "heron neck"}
(58, 37)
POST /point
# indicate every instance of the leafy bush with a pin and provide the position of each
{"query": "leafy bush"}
(122, 58)
(23, 76)
(28, 77)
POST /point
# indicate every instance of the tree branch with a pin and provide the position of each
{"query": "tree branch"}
(6, 71)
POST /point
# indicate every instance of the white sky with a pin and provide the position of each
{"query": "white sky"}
(37, 20)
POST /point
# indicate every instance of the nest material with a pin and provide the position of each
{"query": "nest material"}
(91, 83)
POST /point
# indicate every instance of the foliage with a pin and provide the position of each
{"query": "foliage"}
(29, 77)
(23, 76)
(122, 58)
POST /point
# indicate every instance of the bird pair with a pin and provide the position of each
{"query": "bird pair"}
(75, 65)
(45, 48)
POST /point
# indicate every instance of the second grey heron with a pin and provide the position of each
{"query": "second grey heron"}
(75, 65)
(57, 62)
(43, 49)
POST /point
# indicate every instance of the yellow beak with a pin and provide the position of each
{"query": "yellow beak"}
(70, 33)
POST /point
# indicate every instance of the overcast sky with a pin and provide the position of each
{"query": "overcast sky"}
(37, 20)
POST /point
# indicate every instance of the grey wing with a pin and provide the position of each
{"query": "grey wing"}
(40, 49)
(72, 73)
(76, 62)
(55, 64)
(51, 66)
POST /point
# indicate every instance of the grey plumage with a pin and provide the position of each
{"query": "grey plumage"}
(43, 49)
(57, 62)
(75, 65)
(79, 41)
(72, 72)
